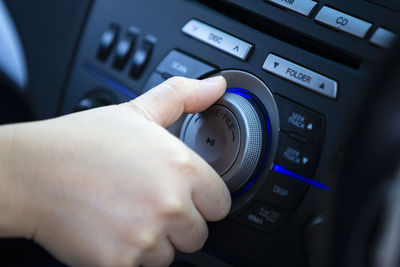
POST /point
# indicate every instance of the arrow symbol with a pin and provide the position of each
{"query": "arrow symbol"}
(236, 48)
(309, 126)
(276, 64)
(305, 160)
(322, 86)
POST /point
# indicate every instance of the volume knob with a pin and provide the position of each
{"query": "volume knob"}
(229, 136)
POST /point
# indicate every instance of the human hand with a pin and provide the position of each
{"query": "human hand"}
(110, 186)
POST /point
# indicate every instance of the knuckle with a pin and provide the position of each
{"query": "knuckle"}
(147, 240)
(173, 206)
(184, 161)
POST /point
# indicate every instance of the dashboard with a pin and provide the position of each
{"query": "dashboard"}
(297, 74)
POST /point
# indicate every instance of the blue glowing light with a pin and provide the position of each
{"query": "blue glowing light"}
(109, 81)
(283, 170)
(247, 94)
(239, 91)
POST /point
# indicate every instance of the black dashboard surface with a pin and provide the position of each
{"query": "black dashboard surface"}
(67, 73)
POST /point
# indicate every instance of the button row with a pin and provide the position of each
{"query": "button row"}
(301, 134)
(298, 151)
(343, 22)
(124, 49)
(339, 21)
(236, 47)
(218, 39)
(278, 197)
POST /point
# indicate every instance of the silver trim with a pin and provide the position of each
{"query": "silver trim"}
(245, 80)
(301, 76)
(383, 38)
(303, 7)
(218, 39)
(343, 22)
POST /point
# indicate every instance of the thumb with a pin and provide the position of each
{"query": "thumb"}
(165, 103)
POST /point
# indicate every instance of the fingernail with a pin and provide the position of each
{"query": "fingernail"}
(214, 80)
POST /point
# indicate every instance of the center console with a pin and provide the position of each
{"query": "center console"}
(296, 71)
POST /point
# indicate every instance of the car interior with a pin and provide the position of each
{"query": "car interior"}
(306, 137)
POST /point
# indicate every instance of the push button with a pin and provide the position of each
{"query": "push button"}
(142, 56)
(383, 38)
(294, 118)
(107, 42)
(301, 76)
(218, 39)
(303, 7)
(263, 217)
(179, 64)
(124, 48)
(229, 136)
(297, 156)
(343, 22)
(281, 191)
(215, 136)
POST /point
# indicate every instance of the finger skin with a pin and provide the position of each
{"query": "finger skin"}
(190, 234)
(111, 186)
(161, 255)
(165, 103)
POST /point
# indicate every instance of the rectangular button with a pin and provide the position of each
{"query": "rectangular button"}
(299, 120)
(383, 38)
(301, 76)
(263, 217)
(177, 63)
(217, 39)
(297, 156)
(107, 42)
(303, 7)
(343, 22)
(142, 56)
(281, 191)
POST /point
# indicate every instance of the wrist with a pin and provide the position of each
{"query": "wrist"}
(16, 213)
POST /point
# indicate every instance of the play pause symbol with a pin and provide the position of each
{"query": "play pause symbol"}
(210, 141)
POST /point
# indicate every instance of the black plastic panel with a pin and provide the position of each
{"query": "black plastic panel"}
(59, 57)
(343, 58)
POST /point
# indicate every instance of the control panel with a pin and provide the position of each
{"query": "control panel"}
(295, 74)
